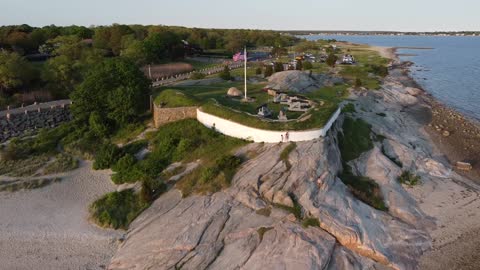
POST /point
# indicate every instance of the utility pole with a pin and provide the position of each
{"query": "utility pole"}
(245, 57)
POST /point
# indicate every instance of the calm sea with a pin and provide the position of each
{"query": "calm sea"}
(450, 71)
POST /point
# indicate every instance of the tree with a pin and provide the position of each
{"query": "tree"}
(299, 65)
(278, 67)
(98, 124)
(116, 89)
(279, 51)
(268, 71)
(15, 71)
(225, 74)
(331, 60)
(163, 45)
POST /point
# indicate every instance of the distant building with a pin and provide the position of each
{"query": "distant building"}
(348, 59)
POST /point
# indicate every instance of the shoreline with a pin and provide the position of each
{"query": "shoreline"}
(456, 135)
(452, 202)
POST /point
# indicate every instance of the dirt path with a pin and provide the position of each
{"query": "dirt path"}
(48, 228)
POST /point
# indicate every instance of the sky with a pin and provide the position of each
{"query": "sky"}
(371, 15)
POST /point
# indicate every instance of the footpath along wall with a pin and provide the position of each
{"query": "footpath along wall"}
(240, 131)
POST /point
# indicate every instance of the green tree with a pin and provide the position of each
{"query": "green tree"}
(115, 88)
(15, 71)
(163, 45)
(278, 67)
(225, 74)
(98, 124)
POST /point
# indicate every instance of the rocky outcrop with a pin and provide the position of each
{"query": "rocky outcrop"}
(293, 80)
(245, 227)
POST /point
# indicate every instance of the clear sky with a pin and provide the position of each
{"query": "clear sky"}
(405, 15)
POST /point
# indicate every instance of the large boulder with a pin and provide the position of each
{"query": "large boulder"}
(234, 92)
(293, 80)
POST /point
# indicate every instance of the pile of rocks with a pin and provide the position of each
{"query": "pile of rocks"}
(15, 125)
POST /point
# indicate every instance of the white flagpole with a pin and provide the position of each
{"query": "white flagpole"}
(245, 57)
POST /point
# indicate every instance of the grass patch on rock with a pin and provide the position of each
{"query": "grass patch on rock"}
(311, 222)
(365, 189)
(286, 153)
(408, 178)
(356, 138)
(209, 179)
(262, 230)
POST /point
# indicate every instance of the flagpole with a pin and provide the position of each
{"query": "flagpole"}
(245, 57)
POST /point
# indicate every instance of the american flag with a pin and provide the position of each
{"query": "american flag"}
(238, 57)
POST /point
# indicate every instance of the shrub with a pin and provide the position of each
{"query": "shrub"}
(106, 156)
(117, 209)
(98, 124)
(379, 70)
(381, 114)
(268, 71)
(225, 74)
(349, 108)
(365, 189)
(408, 178)
(197, 76)
(258, 71)
(278, 67)
(331, 60)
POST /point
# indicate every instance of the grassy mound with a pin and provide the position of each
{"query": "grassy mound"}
(355, 139)
(169, 98)
(117, 209)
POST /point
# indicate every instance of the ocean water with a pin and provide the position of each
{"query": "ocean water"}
(450, 71)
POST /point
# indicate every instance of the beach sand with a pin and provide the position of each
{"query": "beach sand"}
(453, 202)
(48, 228)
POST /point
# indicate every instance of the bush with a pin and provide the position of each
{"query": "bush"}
(358, 83)
(258, 71)
(98, 124)
(349, 108)
(365, 189)
(197, 76)
(408, 178)
(379, 70)
(268, 71)
(117, 209)
(307, 66)
(225, 74)
(106, 156)
(331, 60)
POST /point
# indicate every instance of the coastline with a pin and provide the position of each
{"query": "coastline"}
(455, 135)
(452, 202)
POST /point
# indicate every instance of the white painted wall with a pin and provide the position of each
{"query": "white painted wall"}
(260, 135)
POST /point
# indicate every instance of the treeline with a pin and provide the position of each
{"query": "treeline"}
(67, 53)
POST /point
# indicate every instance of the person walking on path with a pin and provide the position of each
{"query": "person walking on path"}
(287, 136)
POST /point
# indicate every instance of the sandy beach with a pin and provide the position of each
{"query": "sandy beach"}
(48, 228)
(453, 202)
